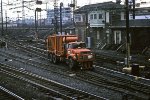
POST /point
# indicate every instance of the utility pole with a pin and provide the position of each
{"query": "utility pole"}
(18, 18)
(40, 19)
(55, 16)
(36, 17)
(87, 25)
(74, 2)
(133, 9)
(73, 5)
(23, 13)
(2, 17)
(61, 4)
(6, 21)
(35, 23)
(127, 34)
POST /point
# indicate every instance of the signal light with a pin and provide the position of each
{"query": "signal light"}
(72, 5)
(39, 2)
(38, 9)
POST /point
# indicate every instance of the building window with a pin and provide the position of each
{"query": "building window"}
(78, 18)
(95, 16)
(91, 16)
(98, 35)
(117, 37)
(100, 16)
(84, 17)
(124, 16)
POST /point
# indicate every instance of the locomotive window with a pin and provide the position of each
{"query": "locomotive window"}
(74, 45)
(80, 45)
(69, 46)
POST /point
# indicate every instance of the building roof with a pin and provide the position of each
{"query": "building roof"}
(100, 6)
(132, 23)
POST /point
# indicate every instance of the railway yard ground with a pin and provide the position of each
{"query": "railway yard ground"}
(28, 74)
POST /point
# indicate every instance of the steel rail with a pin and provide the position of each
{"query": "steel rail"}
(45, 83)
(104, 81)
(11, 93)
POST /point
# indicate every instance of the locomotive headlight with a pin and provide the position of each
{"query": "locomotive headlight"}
(74, 57)
(90, 56)
(69, 52)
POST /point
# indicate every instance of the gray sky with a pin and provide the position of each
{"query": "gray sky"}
(84, 2)
(28, 13)
(14, 13)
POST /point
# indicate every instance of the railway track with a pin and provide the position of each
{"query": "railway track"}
(109, 81)
(115, 61)
(105, 59)
(106, 83)
(50, 86)
(108, 60)
(113, 57)
(5, 94)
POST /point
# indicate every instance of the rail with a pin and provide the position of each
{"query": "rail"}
(47, 84)
(11, 93)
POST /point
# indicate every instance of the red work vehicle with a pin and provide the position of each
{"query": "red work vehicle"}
(67, 48)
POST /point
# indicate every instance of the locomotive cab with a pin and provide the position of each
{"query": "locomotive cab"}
(78, 54)
(74, 45)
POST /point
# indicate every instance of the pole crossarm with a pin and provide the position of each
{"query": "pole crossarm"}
(20, 7)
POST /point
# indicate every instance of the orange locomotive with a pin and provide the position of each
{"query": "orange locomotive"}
(66, 48)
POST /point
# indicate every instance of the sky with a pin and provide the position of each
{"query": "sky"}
(84, 2)
(79, 2)
(29, 13)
